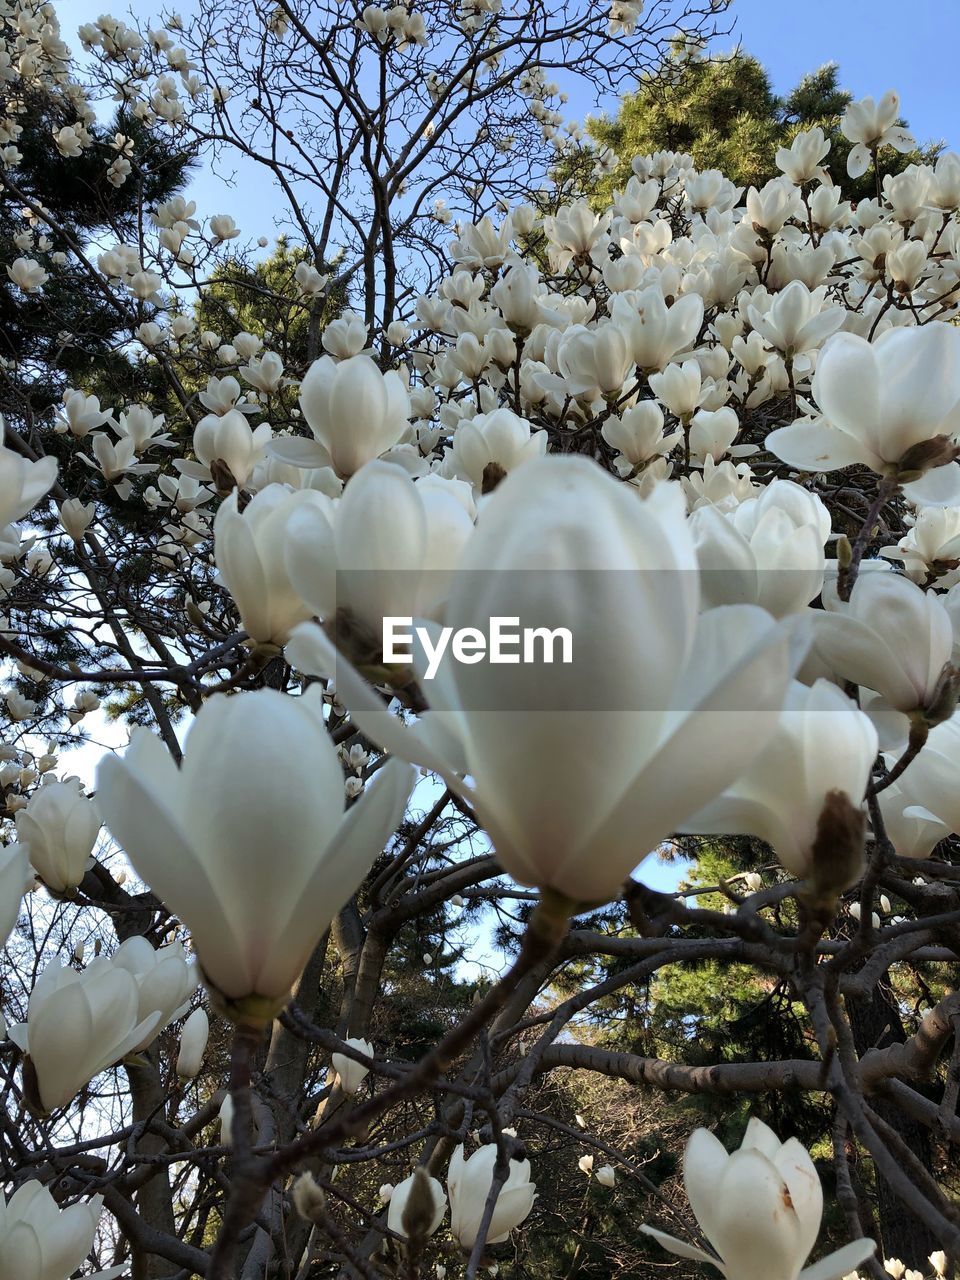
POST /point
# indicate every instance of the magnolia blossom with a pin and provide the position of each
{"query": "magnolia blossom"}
(22, 483)
(491, 445)
(655, 332)
(78, 1024)
(388, 547)
(265, 372)
(760, 1208)
(712, 432)
(76, 517)
(227, 439)
(223, 227)
(193, 1043)
(15, 875)
(931, 546)
(872, 125)
(891, 637)
(767, 550)
(469, 1182)
(561, 544)
(41, 1241)
(419, 1197)
(59, 827)
(82, 413)
(802, 160)
(27, 274)
(250, 549)
(354, 411)
(165, 980)
(248, 841)
(797, 320)
(350, 1072)
(892, 405)
(923, 806)
(820, 756)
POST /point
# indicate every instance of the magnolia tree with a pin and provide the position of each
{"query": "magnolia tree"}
(583, 537)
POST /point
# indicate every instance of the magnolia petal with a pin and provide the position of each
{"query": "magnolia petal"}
(859, 160)
(299, 452)
(681, 1249)
(836, 1265)
(812, 446)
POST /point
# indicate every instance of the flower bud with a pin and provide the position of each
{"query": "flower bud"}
(309, 1198)
(417, 1206)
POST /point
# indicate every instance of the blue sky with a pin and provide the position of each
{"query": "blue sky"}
(876, 46)
(879, 44)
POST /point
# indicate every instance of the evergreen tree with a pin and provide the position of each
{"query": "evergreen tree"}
(724, 113)
(67, 334)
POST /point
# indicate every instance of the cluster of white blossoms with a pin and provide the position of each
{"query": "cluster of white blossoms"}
(644, 424)
(418, 1205)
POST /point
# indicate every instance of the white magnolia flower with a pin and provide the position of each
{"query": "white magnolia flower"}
(165, 980)
(387, 548)
(82, 414)
(561, 544)
(420, 1197)
(193, 1044)
(250, 549)
(15, 876)
(797, 320)
(354, 411)
(228, 439)
(923, 806)
(22, 483)
(346, 336)
(767, 550)
(468, 1185)
(41, 1241)
(78, 1024)
(823, 749)
(223, 227)
(802, 161)
(886, 405)
(350, 1072)
(931, 546)
(59, 827)
(27, 274)
(891, 637)
(872, 125)
(760, 1208)
(264, 372)
(205, 837)
(76, 517)
(491, 445)
(656, 333)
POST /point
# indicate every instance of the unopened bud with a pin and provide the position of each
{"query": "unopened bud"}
(844, 552)
(418, 1213)
(493, 473)
(223, 478)
(837, 856)
(925, 456)
(943, 701)
(309, 1198)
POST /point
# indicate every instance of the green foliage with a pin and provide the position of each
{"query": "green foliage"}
(724, 113)
(263, 298)
(67, 334)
